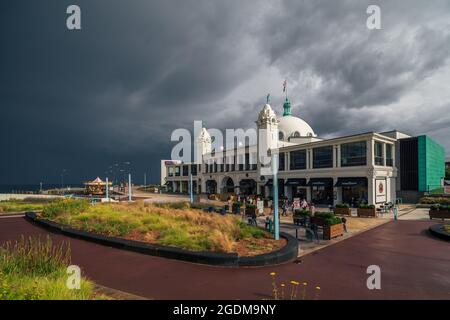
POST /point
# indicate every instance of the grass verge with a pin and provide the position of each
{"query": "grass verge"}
(33, 269)
(22, 205)
(174, 224)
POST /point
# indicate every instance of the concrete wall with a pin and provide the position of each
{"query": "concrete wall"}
(9, 196)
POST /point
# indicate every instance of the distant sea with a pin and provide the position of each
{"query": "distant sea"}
(9, 188)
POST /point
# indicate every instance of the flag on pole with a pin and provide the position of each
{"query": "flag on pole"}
(284, 85)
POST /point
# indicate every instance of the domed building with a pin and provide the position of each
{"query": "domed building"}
(291, 127)
(355, 169)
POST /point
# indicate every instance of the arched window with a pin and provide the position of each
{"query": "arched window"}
(296, 134)
(280, 135)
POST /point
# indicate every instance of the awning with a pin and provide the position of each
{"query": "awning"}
(296, 182)
(269, 182)
(247, 181)
(326, 182)
(351, 182)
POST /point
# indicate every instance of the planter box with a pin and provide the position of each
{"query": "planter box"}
(372, 213)
(343, 211)
(318, 221)
(330, 232)
(439, 214)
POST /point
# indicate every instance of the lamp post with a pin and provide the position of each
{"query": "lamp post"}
(275, 196)
(107, 189)
(129, 187)
(191, 191)
(145, 181)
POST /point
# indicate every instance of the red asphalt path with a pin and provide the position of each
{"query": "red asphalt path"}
(413, 265)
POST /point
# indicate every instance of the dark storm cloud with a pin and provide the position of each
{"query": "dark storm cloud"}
(137, 70)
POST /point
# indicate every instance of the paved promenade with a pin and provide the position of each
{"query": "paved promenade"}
(413, 265)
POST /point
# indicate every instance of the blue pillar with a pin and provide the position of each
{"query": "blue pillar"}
(191, 191)
(275, 196)
(129, 187)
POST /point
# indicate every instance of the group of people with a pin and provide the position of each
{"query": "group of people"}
(289, 206)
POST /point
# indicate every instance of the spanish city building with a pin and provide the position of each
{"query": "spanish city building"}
(370, 167)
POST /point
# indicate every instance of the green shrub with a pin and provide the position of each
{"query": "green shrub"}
(440, 207)
(249, 231)
(329, 218)
(342, 205)
(250, 206)
(302, 213)
(435, 200)
(367, 206)
(65, 206)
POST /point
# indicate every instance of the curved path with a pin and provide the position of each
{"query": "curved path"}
(413, 265)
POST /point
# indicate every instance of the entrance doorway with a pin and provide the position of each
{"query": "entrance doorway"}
(227, 185)
(322, 191)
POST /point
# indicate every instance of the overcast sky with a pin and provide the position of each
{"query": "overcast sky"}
(115, 90)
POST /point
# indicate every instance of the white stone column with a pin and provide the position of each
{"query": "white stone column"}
(394, 156)
(338, 155)
(384, 154)
(371, 189)
(370, 153)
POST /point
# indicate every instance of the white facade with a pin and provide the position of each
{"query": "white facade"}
(359, 168)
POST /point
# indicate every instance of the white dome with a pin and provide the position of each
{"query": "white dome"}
(293, 127)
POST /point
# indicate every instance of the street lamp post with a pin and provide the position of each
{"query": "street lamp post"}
(145, 181)
(275, 196)
(191, 191)
(107, 189)
(129, 187)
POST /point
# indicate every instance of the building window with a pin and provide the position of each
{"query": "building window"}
(247, 161)
(177, 171)
(323, 157)
(215, 166)
(379, 159)
(389, 158)
(185, 171)
(281, 161)
(354, 154)
(170, 171)
(194, 169)
(253, 165)
(280, 136)
(298, 160)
